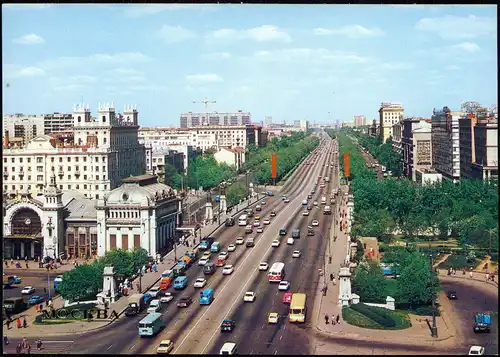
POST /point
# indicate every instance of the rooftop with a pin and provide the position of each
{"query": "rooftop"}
(142, 180)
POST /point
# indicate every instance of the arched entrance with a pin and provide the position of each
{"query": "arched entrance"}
(25, 239)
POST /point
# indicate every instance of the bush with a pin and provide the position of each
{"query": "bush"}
(457, 261)
(420, 310)
(376, 314)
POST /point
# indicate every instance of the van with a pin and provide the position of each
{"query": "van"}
(209, 268)
(14, 305)
(229, 348)
(180, 282)
(206, 296)
(179, 269)
(249, 212)
(296, 233)
(215, 248)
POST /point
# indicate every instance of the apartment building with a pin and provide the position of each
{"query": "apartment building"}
(57, 123)
(446, 143)
(397, 133)
(389, 114)
(359, 120)
(478, 145)
(19, 129)
(177, 156)
(234, 157)
(193, 120)
(104, 151)
(416, 146)
(373, 130)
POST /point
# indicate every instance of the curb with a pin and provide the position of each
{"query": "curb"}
(466, 277)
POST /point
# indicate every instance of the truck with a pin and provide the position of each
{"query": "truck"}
(482, 322)
(327, 210)
(135, 304)
(206, 296)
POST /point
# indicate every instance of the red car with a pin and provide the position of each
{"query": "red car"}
(287, 298)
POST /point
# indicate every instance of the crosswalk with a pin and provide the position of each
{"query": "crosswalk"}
(49, 347)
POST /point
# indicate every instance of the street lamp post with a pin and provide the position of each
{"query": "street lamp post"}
(434, 332)
(248, 189)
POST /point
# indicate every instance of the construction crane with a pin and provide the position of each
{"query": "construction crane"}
(206, 102)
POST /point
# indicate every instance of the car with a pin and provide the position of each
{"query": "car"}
(290, 241)
(203, 261)
(283, 231)
(315, 203)
(223, 255)
(296, 254)
(309, 196)
(27, 290)
(283, 198)
(206, 255)
(270, 193)
(309, 207)
(256, 224)
(476, 351)
(35, 299)
(227, 325)
(304, 202)
(314, 223)
(273, 318)
(154, 306)
(266, 221)
(272, 214)
(227, 270)
(185, 301)
(249, 296)
(257, 218)
(154, 291)
(305, 213)
(147, 298)
(17, 279)
(263, 266)
(260, 230)
(165, 347)
(263, 202)
(231, 247)
(240, 240)
(275, 243)
(166, 298)
(250, 242)
(452, 295)
(287, 298)
(284, 285)
(287, 200)
(200, 282)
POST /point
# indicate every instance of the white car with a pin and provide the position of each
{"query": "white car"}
(200, 282)
(315, 223)
(287, 200)
(266, 221)
(166, 298)
(296, 254)
(304, 202)
(256, 224)
(28, 290)
(263, 266)
(240, 240)
(260, 230)
(231, 247)
(227, 270)
(154, 291)
(305, 213)
(476, 351)
(154, 306)
(203, 261)
(290, 241)
(284, 285)
(223, 255)
(275, 243)
(249, 296)
(315, 203)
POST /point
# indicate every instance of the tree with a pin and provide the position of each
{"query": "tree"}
(121, 260)
(369, 282)
(81, 283)
(235, 193)
(139, 258)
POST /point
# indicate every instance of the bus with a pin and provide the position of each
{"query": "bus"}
(57, 282)
(298, 308)
(243, 220)
(277, 272)
(151, 324)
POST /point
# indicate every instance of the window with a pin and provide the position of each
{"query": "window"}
(13, 168)
(77, 187)
(21, 160)
(39, 177)
(69, 187)
(97, 177)
(112, 241)
(51, 159)
(97, 196)
(29, 177)
(76, 159)
(69, 168)
(29, 187)
(12, 160)
(4, 160)
(61, 187)
(69, 159)
(29, 160)
(39, 169)
(13, 178)
(84, 177)
(104, 177)
(69, 177)
(125, 242)
(60, 159)
(39, 160)
(137, 241)
(96, 187)
(105, 140)
(97, 169)
(84, 159)
(85, 168)
(84, 187)
(104, 169)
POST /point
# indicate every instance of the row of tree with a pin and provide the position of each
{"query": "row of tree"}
(86, 280)
(467, 210)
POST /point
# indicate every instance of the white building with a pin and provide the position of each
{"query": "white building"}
(192, 120)
(427, 177)
(234, 157)
(389, 114)
(105, 150)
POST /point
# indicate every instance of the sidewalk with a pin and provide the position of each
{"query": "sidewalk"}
(148, 280)
(33, 267)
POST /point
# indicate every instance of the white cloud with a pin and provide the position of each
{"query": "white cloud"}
(351, 31)
(83, 79)
(135, 11)
(320, 55)
(175, 34)
(454, 27)
(204, 78)
(396, 66)
(12, 71)
(265, 33)
(470, 47)
(68, 87)
(453, 68)
(30, 39)
(100, 59)
(216, 55)
(127, 71)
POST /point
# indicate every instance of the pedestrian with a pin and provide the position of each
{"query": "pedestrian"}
(331, 277)
(18, 322)
(334, 281)
(27, 265)
(25, 324)
(326, 319)
(337, 319)
(47, 303)
(470, 274)
(45, 290)
(5, 340)
(6, 264)
(11, 261)
(8, 324)
(29, 349)
(487, 276)
(19, 348)
(333, 319)
(40, 308)
(36, 308)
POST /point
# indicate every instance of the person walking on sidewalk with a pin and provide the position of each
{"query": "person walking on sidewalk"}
(8, 324)
(333, 319)
(18, 322)
(338, 319)
(331, 277)
(25, 324)
(326, 319)
(5, 340)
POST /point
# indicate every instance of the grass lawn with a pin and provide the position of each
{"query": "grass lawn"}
(53, 322)
(355, 318)
(391, 287)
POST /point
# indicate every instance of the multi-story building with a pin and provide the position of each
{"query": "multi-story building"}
(105, 150)
(427, 177)
(373, 129)
(397, 132)
(479, 146)
(389, 114)
(416, 146)
(268, 120)
(234, 157)
(192, 120)
(348, 124)
(445, 143)
(359, 120)
(58, 123)
(19, 129)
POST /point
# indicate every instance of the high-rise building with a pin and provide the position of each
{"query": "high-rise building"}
(359, 120)
(58, 123)
(416, 146)
(389, 114)
(191, 120)
(19, 129)
(445, 143)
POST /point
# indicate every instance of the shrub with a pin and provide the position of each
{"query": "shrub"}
(375, 314)
(457, 261)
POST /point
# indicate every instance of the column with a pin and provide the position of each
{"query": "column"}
(22, 251)
(32, 249)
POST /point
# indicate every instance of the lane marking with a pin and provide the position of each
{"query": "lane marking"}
(109, 348)
(58, 341)
(281, 337)
(275, 352)
(132, 347)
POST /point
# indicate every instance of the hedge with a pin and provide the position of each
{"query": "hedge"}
(376, 314)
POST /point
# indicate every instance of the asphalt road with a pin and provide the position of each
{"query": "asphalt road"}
(36, 279)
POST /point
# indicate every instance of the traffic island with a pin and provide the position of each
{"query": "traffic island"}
(379, 318)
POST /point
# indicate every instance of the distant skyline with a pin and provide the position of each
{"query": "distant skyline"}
(335, 63)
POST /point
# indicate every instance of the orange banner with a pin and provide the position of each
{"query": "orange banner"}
(274, 168)
(347, 165)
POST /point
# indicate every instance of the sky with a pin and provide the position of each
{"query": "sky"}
(291, 62)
